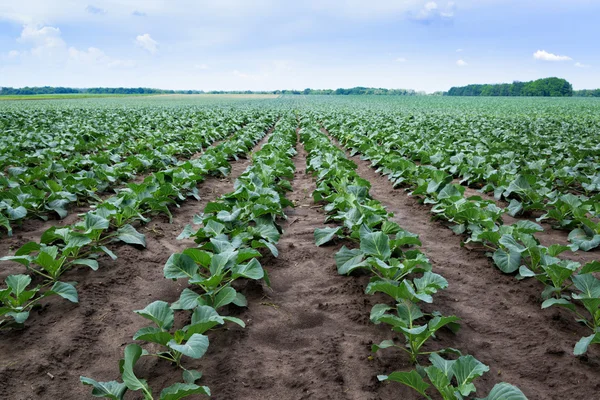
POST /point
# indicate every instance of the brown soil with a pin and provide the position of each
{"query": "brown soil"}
(309, 335)
(64, 340)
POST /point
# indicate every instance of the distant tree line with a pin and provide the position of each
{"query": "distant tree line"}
(359, 90)
(547, 87)
(587, 93)
(100, 90)
(9, 91)
(542, 87)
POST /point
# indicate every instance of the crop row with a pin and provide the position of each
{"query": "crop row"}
(41, 181)
(61, 249)
(234, 228)
(513, 248)
(397, 268)
(549, 167)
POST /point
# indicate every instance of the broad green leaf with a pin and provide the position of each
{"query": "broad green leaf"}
(158, 312)
(180, 266)
(324, 235)
(213, 228)
(446, 366)
(378, 311)
(195, 347)
(153, 334)
(588, 284)
(556, 249)
(514, 207)
(347, 260)
(408, 311)
(225, 296)
(133, 352)
(411, 379)
(130, 235)
(583, 344)
(19, 317)
(246, 254)
(558, 302)
(505, 391)
(76, 240)
(6, 224)
(92, 222)
(511, 244)
(592, 266)
(18, 283)
(376, 244)
(581, 240)
(28, 248)
(507, 262)
(240, 300)
(251, 270)
(64, 290)
(201, 257)
(188, 300)
(93, 264)
(181, 390)
(526, 226)
(430, 283)
(466, 369)
(383, 345)
(441, 382)
(236, 321)
(191, 376)
(111, 390)
(108, 252)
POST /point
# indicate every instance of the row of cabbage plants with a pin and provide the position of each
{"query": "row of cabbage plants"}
(398, 269)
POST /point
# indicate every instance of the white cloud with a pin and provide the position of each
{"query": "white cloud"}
(201, 66)
(49, 47)
(146, 42)
(401, 60)
(95, 10)
(46, 41)
(459, 50)
(580, 65)
(94, 56)
(545, 56)
(462, 63)
(432, 11)
(47, 36)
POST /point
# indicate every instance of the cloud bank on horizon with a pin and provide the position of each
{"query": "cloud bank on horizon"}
(269, 44)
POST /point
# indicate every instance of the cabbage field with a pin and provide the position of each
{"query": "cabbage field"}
(300, 247)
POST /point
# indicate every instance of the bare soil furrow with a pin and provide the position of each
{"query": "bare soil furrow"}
(502, 323)
(309, 335)
(64, 340)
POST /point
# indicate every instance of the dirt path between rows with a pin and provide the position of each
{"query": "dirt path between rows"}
(309, 335)
(65, 340)
(502, 323)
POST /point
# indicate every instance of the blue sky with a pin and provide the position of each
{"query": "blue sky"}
(266, 44)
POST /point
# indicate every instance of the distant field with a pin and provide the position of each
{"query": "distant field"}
(177, 96)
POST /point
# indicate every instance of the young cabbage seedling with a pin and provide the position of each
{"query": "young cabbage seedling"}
(116, 390)
(16, 301)
(588, 295)
(189, 341)
(453, 379)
